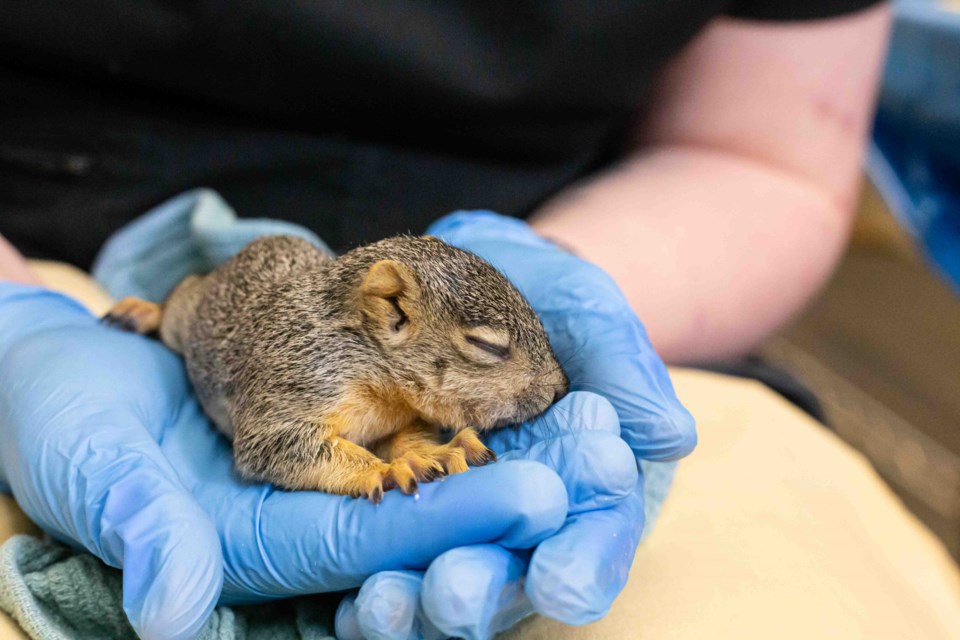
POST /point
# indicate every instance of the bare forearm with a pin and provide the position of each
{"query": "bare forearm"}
(736, 204)
(713, 250)
(13, 267)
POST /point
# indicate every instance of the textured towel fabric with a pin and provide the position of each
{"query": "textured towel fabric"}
(58, 593)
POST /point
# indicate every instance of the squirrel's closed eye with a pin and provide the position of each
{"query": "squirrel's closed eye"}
(496, 349)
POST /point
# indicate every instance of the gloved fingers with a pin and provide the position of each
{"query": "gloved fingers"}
(461, 227)
(307, 541)
(579, 439)
(111, 491)
(346, 626)
(477, 591)
(576, 412)
(387, 607)
(88, 470)
(125, 505)
(609, 354)
(172, 568)
(597, 467)
(575, 575)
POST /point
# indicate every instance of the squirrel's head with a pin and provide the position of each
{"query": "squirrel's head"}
(462, 344)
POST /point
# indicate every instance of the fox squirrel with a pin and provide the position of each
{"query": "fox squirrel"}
(337, 374)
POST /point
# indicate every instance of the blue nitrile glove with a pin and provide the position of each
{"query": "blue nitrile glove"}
(103, 444)
(580, 438)
(573, 576)
(78, 448)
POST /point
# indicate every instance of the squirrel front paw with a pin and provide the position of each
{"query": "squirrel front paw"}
(425, 468)
(394, 475)
(422, 462)
(466, 448)
(432, 461)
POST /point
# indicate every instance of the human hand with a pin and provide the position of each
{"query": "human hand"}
(81, 459)
(574, 575)
(105, 447)
(597, 337)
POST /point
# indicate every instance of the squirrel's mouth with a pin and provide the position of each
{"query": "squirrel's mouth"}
(530, 407)
(522, 412)
(497, 415)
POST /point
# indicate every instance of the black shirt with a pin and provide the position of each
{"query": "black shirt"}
(356, 119)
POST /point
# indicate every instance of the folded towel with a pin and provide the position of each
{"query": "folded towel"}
(58, 593)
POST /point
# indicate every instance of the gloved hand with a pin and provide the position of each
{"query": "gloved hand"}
(580, 438)
(104, 446)
(574, 575)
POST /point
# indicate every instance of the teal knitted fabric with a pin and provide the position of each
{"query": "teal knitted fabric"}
(57, 593)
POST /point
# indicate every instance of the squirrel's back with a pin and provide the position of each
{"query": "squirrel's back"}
(336, 374)
(207, 318)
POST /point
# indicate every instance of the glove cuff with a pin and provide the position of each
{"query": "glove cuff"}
(466, 226)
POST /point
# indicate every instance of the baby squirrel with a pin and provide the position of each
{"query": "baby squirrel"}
(337, 374)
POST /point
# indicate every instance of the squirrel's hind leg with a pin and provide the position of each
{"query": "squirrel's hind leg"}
(180, 312)
(429, 460)
(134, 315)
(172, 320)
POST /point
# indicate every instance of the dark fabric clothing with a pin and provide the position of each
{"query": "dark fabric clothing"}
(356, 119)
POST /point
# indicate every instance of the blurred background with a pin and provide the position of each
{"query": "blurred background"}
(876, 357)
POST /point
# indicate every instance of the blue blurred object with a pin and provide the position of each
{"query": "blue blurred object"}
(915, 157)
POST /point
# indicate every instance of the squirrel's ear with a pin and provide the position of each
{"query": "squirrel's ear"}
(388, 279)
(386, 300)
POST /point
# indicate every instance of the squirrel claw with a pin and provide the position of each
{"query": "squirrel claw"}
(375, 495)
(475, 452)
(433, 473)
(396, 475)
(118, 322)
(485, 457)
(402, 476)
(424, 468)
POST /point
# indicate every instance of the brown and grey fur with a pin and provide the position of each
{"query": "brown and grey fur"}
(336, 374)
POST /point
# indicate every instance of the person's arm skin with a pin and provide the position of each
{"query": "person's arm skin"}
(736, 204)
(13, 268)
